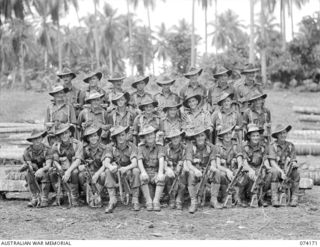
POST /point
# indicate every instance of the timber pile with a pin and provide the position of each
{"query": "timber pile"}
(309, 110)
(311, 171)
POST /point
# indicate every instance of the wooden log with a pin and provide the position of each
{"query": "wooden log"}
(307, 149)
(302, 141)
(19, 129)
(305, 133)
(309, 118)
(306, 183)
(310, 127)
(13, 152)
(20, 125)
(11, 179)
(314, 175)
(306, 110)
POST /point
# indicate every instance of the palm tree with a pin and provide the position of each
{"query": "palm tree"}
(251, 46)
(298, 4)
(192, 37)
(162, 44)
(96, 38)
(263, 48)
(205, 4)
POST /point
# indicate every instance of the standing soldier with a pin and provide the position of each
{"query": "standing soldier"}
(146, 117)
(59, 111)
(121, 156)
(140, 94)
(175, 152)
(200, 153)
(151, 164)
(73, 94)
(92, 79)
(65, 156)
(254, 155)
(94, 114)
(117, 82)
(92, 154)
(221, 75)
(35, 164)
(284, 166)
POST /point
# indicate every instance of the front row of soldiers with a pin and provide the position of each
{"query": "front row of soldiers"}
(237, 173)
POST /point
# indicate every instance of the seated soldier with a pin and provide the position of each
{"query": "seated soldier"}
(34, 158)
(121, 156)
(92, 154)
(200, 153)
(175, 152)
(284, 165)
(151, 157)
(255, 155)
(65, 156)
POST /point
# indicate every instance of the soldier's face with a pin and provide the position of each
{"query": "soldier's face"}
(201, 138)
(96, 102)
(122, 101)
(193, 78)
(166, 87)
(94, 138)
(59, 96)
(117, 84)
(93, 81)
(121, 138)
(282, 136)
(172, 112)
(193, 103)
(250, 77)
(66, 79)
(176, 140)
(258, 102)
(222, 79)
(255, 137)
(37, 141)
(227, 136)
(150, 138)
(65, 136)
(149, 108)
(141, 85)
(227, 103)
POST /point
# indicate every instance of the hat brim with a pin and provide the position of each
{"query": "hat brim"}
(65, 90)
(197, 96)
(89, 99)
(249, 71)
(116, 79)
(182, 134)
(217, 75)
(263, 96)
(98, 74)
(225, 131)
(126, 129)
(173, 106)
(194, 134)
(154, 103)
(71, 128)
(41, 134)
(287, 128)
(98, 130)
(231, 95)
(258, 130)
(187, 75)
(146, 80)
(65, 74)
(164, 83)
(126, 95)
(147, 133)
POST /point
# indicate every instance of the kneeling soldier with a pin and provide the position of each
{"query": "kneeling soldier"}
(175, 175)
(285, 167)
(121, 157)
(37, 169)
(151, 164)
(65, 156)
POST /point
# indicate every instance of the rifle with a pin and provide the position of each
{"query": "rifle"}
(284, 186)
(228, 201)
(123, 184)
(93, 194)
(60, 174)
(200, 194)
(176, 180)
(33, 182)
(256, 188)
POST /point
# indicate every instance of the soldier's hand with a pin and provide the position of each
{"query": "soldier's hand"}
(144, 176)
(197, 161)
(178, 169)
(283, 175)
(160, 177)
(66, 176)
(113, 168)
(229, 175)
(197, 173)
(170, 173)
(95, 178)
(39, 173)
(122, 170)
(252, 175)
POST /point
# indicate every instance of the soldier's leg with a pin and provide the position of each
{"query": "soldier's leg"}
(168, 185)
(135, 188)
(146, 191)
(181, 189)
(45, 188)
(156, 200)
(192, 182)
(110, 183)
(275, 178)
(56, 185)
(266, 186)
(74, 187)
(241, 189)
(295, 177)
(216, 180)
(34, 191)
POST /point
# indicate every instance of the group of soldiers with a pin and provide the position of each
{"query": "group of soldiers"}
(167, 146)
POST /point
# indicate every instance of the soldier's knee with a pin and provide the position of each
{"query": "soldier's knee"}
(192, 180)
(275, 175)
(136, 172)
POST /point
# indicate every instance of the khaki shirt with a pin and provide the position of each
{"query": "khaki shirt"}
(170, 124)
(205, 154)
(280, 152)
(254, 154)
(228, 152)
(174, 155)
(96, 116)
(150, 155)
(199, 117)
(94, 154)
(124, 156)
(72, 151)
(115, 118)
(73, 96)
(221, 117)
(142, 120)
(62, 114)
(163, 99)
(36, 156)
(252, 116)
(136, 98)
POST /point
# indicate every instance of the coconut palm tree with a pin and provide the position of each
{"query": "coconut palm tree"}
(251, 45)
(162, 43)
(205, 4)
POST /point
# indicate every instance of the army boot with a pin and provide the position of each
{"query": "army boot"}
(194, 203)
(239, 198)
(224, 193)
(214, 196)
(135, 199)
(263, 203)
(274, 194)
(179, 198)
(294, 197)
(112, 200)
(74, 194)
(45, 187)
(156, 199)
(35, 201)
(146, 194)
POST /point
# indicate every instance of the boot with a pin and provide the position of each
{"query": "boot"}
(35, 201)
(74, 194)
(172, 202)
(45, 187)
(135, 199)
(239, 198)
(294, 198)
(294, 201)
(179, 198)
(214, 195)
(223, 193)
(146, 194)
(156, 199)
(274, 194)
(58, 200)
(194, 204)
(112, 200)
(263, 203)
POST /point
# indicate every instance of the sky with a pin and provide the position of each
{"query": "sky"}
(171, 11)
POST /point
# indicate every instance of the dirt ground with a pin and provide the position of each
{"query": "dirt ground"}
(303, 222)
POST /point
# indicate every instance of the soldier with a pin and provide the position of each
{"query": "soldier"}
(140, 94)
(73, 94)
(94, 115)
(254, 155)
(199, 153)
(166, 94)
(92, 154)
(59, 111)
(147, 117)
(172, 119)
(175, 152)
(194, 114)
(151, 157)
(221, 75)
(35, 164)
(65, 156)
(282, 156)
(92, 79)
(121, 156)
(117, 82)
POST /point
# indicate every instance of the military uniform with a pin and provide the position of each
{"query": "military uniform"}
(227, 118)
(199, 89)
(137, 97)
(215, 92)
(117, 118)
(85, 94)
(143, 120)
(198, 117)
(110, 95)
(258, 118)
(170, 124)
(61, 114)
(73, 98)
(163, 98)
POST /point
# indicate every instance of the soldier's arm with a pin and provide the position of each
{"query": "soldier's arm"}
(77, 157)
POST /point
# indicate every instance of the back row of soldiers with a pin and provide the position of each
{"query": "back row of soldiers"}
(218, 138)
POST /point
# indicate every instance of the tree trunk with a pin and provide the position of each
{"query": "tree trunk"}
(206, 29)
(130, 34)
(45, 59)
(263, 56)
(251, 46)
(192, 35)
(96, 41)
(59, 48)
(283, 17)
(110, 61)
(216, 22)
(150, 37)
(291, 15)
(21, 61)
